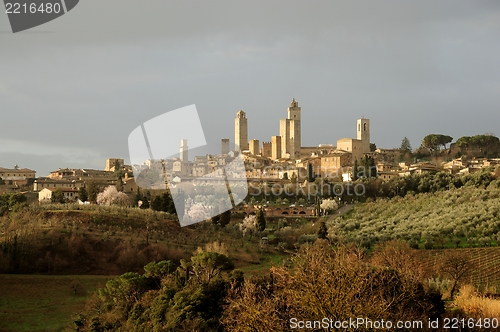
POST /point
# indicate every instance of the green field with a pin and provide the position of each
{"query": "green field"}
(43, 303)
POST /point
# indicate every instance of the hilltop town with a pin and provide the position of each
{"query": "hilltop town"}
(282, 159)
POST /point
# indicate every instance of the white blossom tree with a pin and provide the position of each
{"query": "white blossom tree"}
(199, 212)
(248, 225)
(111, 196)
(329, 205)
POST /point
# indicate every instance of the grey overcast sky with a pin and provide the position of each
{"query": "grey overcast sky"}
(73, 89)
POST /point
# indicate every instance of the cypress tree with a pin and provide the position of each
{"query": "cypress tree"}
(323, 231)
(261, 221)
(354, 175)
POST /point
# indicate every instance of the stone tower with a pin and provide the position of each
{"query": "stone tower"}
(275, 147)
(184, 150)
(225, 146)
(363, 134)
(254, 147)
(241, 131)
(285, 137)
(290, 132)
(266, 149)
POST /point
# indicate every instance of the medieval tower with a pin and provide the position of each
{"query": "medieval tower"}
(290, 132)
(225, 146)
(184, 150)
(241, 131)
(363, 134)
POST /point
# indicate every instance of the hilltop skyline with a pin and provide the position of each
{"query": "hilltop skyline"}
(73, 89)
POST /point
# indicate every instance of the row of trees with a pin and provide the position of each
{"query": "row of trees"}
(486, 145)
(364, 169)
(479, 145)
(427, 183)
(457, 217)
(163, 202)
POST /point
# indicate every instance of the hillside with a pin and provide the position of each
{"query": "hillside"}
(72, 239)
(467, 217)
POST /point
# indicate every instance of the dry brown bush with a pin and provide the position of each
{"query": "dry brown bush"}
(476, 305)
(326, 282)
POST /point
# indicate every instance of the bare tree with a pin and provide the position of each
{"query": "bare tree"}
(458, 266)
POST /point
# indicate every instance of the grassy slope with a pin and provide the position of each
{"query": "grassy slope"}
(43, 303)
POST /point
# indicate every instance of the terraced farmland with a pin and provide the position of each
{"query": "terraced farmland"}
(485, 260)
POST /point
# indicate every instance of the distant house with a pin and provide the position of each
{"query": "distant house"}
(16, 174)
(42, 183)
(335, 164)
(423, 167)
(69, 194)
(129, 185)
(354, 146)
(387, 175)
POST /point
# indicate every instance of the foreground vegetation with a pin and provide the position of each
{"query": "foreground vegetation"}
(205, 294)
(198, 296)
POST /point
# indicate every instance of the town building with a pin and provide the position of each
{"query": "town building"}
(111, 164)
(16, 174)
(69, 194)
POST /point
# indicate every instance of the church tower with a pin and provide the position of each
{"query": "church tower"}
(241, 131)
(363, 134)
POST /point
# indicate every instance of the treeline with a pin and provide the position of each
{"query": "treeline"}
(11, 202)
(205, 294)
(435, 145)
(487, 146)
(429, 183)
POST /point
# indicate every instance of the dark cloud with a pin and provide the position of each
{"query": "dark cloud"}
(411, 67)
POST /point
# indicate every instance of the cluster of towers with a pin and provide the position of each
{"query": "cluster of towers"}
(286, 145)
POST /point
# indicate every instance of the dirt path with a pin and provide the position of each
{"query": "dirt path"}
(343, 210)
